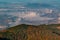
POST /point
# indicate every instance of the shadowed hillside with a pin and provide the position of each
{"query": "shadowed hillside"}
(31, 32)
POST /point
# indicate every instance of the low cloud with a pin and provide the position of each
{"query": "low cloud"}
(31, 17)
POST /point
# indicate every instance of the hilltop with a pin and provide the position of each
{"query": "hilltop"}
(31, 32)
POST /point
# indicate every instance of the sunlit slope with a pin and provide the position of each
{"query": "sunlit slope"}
(30, 32)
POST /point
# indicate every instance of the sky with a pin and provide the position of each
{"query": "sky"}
(54, 2)
(42, 1)
(44, 11)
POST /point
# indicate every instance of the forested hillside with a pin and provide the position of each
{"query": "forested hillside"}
(31, 32)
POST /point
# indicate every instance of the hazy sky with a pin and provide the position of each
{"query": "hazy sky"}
(33, 17)
(38, 1)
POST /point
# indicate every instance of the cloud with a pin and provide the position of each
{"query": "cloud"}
(46, 10)
(33, 16)
(58, 20)
(4, 9)
(28, 17)
(2, 26)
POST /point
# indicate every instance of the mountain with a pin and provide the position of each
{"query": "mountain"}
(31, 32)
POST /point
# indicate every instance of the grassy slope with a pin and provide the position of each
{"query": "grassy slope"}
(30, 32)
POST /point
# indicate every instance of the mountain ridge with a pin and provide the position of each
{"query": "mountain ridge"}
(31, 32)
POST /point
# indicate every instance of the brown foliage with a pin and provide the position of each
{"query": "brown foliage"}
(29, 33)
